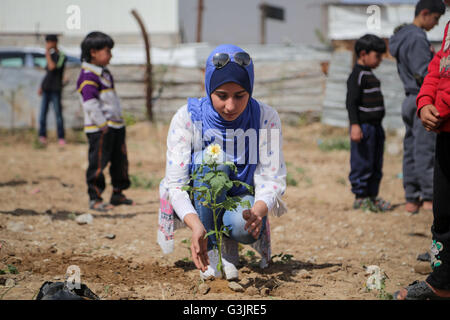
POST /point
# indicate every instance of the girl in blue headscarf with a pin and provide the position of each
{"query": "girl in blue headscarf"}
(249, 133)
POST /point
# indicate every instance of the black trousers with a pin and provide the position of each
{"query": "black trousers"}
(366, 161)
(440, 248)
(107, 148)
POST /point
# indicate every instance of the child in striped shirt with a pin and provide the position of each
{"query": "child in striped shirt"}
(365, 105)
(103, 122)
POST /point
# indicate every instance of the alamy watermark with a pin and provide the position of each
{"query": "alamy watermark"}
(374, 20)
(73, 277)
(263, 146)
(73, 21)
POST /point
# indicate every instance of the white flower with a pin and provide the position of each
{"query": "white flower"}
(213, 154)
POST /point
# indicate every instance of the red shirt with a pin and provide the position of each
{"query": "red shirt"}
(435, 89)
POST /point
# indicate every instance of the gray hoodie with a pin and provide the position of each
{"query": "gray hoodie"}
(410, 46)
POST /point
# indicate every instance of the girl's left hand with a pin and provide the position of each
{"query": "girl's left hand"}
(254, 218)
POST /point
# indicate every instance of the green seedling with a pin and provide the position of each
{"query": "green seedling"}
(214, 183)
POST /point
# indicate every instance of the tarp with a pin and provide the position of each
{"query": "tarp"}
(347, 22)
(334, 111)
(194, 54)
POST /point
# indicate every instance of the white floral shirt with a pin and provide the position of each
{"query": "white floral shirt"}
(269, 177)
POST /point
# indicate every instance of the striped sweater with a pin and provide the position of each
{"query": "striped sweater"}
(101, 105)
(365, 103)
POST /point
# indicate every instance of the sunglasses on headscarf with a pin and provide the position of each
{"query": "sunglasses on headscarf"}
(220, 60)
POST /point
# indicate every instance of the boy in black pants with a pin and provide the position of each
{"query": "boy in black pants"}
(365, 107)
(104, 124)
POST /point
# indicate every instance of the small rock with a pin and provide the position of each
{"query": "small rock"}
(423, 268)
(56, 278)
(304, 274)
(334, 269)
(16, 226)
(279, 229)
(311, 260)
(245, 270)
(110, 236)
(134, 265)
(246, 282)
(52, 249)
(264, 291)
(125, 295)
(86, 218)
(10, 283)
(235, 286)
(252, 291)
(203, 288)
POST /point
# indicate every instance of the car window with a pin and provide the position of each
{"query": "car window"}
(12, 59)
(39, 60)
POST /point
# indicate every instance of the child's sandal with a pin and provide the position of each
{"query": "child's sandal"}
(99, 206)
(418, 290)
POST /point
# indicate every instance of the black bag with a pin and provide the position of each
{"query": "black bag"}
(59, 291)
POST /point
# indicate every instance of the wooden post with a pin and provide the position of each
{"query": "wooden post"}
(199, 20)
(148, 69)
(262, 26)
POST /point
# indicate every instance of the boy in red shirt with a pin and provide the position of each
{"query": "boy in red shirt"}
(433, 109)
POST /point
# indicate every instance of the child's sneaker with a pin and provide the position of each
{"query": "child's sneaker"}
(365, 204)
(382, 205)
(118, 198)
(62, 142)
(43, 140)
(358, 203)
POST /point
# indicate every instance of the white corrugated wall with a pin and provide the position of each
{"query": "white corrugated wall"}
(110, 16)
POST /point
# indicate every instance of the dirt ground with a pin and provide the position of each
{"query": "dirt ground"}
(322, 244)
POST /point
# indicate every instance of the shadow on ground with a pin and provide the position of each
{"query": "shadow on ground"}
(71, 215)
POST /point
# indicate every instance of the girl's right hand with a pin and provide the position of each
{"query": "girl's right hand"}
(199, 244)
(199, 248)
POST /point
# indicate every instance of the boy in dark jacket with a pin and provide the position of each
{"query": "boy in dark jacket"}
(413, 52)
(365, 105)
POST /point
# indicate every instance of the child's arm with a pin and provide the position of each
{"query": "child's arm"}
(418, 54)
(426, 110)
(352, 103)
(91, 104)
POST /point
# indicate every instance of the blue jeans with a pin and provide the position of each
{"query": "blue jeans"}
(232, 219)
(55, 98)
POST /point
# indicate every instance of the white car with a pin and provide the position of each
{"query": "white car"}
(18, 57)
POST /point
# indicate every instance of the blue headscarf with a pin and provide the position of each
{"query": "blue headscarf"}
(202, 110)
